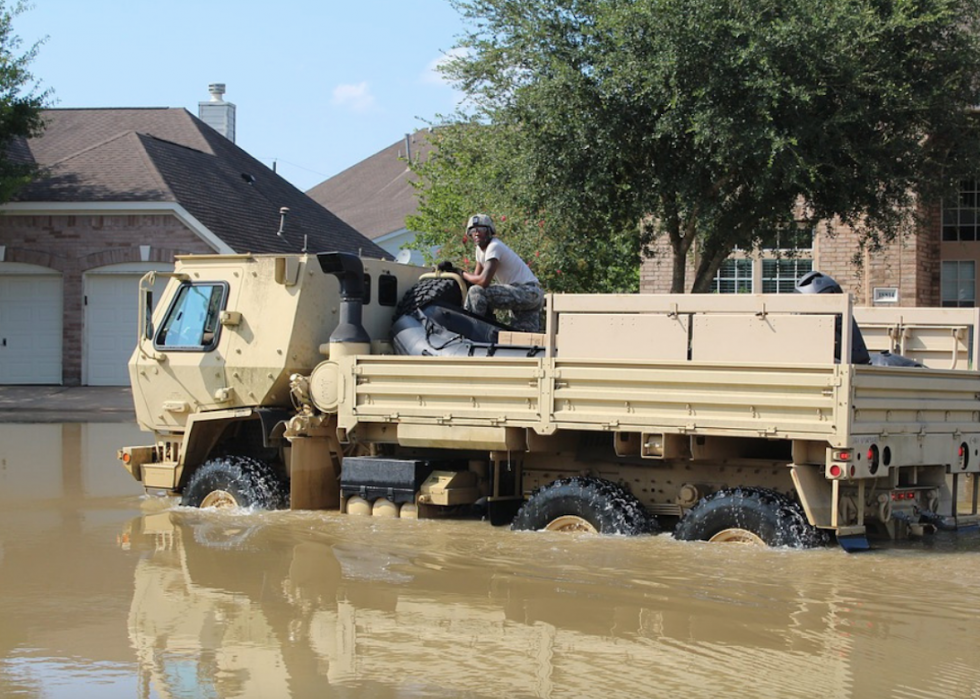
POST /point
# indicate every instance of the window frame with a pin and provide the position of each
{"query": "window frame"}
(961, 213)
(944, 280)
(779, 281)
(735, 278)
(210, 321)
(387, 289)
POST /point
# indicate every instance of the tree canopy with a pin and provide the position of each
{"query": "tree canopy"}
(20, 103)
(720, 121)
(473, 169)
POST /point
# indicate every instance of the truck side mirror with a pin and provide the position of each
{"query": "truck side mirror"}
(148, 314)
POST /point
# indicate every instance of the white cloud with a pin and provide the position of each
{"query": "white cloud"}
(432, 75)
(357, 98)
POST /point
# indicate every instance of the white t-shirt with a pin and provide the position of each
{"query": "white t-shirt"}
(511, 269)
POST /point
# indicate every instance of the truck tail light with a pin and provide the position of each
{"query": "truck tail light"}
(873, 459)
(964, 456)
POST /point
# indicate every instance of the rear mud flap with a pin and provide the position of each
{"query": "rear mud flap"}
(852, 543)
(967, 523)
(502, 510)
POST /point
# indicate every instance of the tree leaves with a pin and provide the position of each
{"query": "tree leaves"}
(712, 120)
(20, 104)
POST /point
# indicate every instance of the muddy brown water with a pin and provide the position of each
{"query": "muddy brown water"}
(107, 593)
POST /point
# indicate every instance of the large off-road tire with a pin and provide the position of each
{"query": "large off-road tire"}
(442, 290)
(749, 516)
(584, 504)
(236, 481)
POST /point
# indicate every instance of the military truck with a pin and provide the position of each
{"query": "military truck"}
(334, 382)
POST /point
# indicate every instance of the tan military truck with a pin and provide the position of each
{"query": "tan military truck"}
(333, 382)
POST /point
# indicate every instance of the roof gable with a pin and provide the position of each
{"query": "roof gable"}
(117, 169)
(376, 195)
(168, 155)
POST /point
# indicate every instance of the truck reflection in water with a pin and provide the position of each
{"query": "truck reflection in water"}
(230, 605)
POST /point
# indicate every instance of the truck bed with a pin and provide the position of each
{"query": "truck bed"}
(833, 402)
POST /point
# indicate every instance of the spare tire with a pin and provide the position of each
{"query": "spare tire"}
(436, 290)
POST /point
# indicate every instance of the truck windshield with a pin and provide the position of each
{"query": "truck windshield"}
(192, 320)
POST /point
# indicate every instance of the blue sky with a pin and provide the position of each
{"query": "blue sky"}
(318, 84)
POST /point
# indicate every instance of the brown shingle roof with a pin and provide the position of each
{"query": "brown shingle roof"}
(376, 194)
(168, 155)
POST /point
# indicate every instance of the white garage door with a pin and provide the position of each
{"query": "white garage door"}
(111, 307)
(31, 319)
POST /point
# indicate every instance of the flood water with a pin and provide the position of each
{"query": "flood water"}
(107, 593)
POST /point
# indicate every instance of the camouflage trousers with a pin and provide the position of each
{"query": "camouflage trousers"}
(524, 301)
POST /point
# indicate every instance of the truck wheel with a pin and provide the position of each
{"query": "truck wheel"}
(584, 504)
(236, 481)
(755, 516)
(428, 291)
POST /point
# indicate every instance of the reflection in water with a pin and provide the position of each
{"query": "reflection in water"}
(226, 606)
(107, 593)
(64, 584)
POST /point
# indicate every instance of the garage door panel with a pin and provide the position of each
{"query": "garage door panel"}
(31, 319)
(111, 322)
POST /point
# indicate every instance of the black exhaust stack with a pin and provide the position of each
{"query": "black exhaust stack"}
(350, 271)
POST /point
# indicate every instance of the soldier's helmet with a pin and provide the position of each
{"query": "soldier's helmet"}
(817, 283)
(480, 220)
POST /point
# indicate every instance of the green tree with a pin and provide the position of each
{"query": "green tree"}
(722, 121)
(20, 104)
(473, 168)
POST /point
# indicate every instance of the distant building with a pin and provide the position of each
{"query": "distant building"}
(125, 191)
(376, 195)
(934, 266)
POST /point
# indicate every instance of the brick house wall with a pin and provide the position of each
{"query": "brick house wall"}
(656, 271)
(75, 244)
(910, 264)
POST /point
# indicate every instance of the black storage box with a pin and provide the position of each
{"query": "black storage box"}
(374, 477)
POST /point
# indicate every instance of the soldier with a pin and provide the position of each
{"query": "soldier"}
(515, 289)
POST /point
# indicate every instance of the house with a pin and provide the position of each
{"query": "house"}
(376, 195)
(125, 191)
(933, 266)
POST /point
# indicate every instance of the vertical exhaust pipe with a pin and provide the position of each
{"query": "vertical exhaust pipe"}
(349, 337)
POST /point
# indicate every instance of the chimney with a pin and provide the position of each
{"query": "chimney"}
(217, 113)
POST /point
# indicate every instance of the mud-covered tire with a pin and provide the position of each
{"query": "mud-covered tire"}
(607, 507)
(441, 290)
(755, 515)
(248, 482)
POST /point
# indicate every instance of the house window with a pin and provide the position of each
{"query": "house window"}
(961, 214)
(734, 277)
(779, 276)
(782, 257)
(788, 239)
(192, 320)
(959, 283)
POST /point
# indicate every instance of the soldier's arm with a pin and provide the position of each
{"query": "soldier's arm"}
(483, 274)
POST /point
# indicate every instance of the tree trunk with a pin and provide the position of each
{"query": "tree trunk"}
(679, 268)
(680, 244)
(707, 269)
